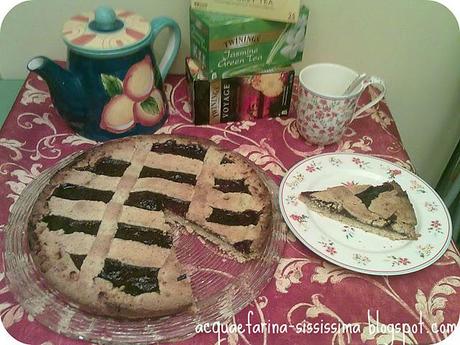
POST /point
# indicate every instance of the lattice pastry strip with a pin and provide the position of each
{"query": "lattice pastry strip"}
(94, 262)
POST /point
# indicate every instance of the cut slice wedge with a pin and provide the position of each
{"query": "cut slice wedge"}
(181, 224)
(384, 210)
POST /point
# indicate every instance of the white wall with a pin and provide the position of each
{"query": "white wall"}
(34, 28)
(413, 44)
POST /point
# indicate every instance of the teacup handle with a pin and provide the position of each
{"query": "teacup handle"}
(172, 49)
(374, 81)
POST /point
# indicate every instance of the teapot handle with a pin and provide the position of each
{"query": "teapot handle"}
(158, 24)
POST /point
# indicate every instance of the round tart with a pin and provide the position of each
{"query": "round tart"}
(103, 231)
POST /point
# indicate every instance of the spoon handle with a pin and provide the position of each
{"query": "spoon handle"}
(355, 83)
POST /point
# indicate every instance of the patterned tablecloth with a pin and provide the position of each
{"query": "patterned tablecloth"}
(306, 290)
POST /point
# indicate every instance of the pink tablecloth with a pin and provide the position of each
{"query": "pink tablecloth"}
(305, 287)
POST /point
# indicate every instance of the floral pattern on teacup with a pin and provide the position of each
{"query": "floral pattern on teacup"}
(322, 120)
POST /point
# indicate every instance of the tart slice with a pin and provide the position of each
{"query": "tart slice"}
(384, 210)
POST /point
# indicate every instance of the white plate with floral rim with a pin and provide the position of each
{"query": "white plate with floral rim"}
(352, 247)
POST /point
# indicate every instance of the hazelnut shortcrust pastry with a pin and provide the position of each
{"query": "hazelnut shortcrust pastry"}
(102, 232)
(384, 210)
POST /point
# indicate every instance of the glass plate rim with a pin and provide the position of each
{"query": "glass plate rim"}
(276, 243)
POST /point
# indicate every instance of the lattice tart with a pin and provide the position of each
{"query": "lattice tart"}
(103, 230)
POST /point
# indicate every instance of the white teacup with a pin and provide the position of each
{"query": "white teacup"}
(323, 111)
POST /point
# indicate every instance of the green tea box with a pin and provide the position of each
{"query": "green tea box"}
(226, 45)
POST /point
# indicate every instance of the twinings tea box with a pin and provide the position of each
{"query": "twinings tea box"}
(279, 10)
(249, 97)
(227, 46)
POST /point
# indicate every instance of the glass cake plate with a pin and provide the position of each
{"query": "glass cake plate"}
(221, 286)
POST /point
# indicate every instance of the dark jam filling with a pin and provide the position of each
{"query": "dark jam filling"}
(77, 260)
(143, 235)
(231, 186)
(194, 151)
(226, 160)
(226, 217)
(243, 246)
(333, 207)
(181, 277)
(135, 280)
(372, 193)
(108, 167)
(157, 202)
(393, 218)
(174, 176)
(69, 225)
(73, 192)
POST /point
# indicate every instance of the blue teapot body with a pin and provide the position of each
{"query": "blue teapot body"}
(110, 93)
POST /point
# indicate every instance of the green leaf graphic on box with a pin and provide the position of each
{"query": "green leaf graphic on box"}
(112, 85)
(150, 106)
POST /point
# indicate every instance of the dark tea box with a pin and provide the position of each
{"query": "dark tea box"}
(261, 95)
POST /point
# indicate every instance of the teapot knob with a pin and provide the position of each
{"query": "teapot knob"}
(105, 20)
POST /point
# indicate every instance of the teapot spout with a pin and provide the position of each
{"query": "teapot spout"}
(65, 88)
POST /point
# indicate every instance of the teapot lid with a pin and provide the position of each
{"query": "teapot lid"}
(106, 32)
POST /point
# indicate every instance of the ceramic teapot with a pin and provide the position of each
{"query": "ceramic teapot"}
(112, 86)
